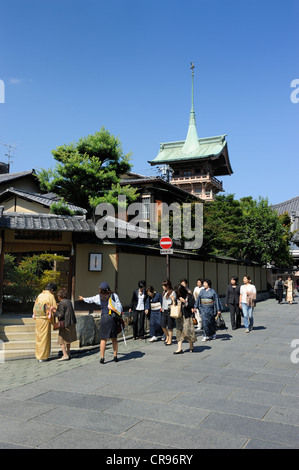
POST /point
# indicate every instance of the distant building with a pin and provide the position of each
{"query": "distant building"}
(195, 163)
(291, 206)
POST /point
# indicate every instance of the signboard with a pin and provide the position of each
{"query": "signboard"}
(166, 244)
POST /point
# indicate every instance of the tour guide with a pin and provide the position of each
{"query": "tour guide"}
(109, 324)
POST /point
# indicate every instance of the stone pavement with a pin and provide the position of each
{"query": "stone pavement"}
(238, 391)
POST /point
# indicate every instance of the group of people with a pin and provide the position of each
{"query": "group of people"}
(287, 285)
(48, 312)
(200, 307)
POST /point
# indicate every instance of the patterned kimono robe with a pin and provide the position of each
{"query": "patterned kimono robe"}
(208, 304)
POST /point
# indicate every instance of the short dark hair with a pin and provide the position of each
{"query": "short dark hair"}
(208, 281)
(52, 286)
(62, 293)
(141, 284)
(235, 278)
(150, 289)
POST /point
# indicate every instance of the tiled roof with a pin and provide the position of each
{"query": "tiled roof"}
(13, 176)
(62, 223)
(291, 205)
(208, 147)
(157, 179)
(44, 199)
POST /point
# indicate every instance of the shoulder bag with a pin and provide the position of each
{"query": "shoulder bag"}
(176, 310)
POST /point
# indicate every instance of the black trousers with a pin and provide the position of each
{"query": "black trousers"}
(235, 315)
(279, 295)
(138, 329)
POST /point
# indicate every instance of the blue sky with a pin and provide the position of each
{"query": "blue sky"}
(72, 66)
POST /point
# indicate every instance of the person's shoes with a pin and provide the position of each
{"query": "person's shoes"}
(115, 358)
(213, 337)
(102, 360)
(153, 338)
(64, 358)
(247, 330)
(179, 352)
(204, 339)
(42, 360)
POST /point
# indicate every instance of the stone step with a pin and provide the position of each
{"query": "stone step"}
(17, 333)
(30, 344)
(16, 320)
(16, 328)
(28, 353)
(20, 335)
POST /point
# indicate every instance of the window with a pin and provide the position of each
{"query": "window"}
(146, 200)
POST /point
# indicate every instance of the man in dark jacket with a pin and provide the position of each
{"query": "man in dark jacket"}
(232, 301)
(137, 306)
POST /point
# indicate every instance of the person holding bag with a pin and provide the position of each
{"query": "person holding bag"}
(153, 307)
(184, 324)
(109, 321)
(209, 306)
(167, 322)
(67, 324)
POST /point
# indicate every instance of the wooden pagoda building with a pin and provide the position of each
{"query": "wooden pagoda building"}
(194, 164)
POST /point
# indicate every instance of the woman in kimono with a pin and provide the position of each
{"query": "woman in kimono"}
(109, 324)
(289, 285)
(43, 320)
(209, 306)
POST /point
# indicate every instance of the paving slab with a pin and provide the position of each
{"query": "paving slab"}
(239, 391)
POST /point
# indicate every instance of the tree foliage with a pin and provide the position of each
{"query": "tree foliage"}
(87, 171)
(23, 281)
(246, 229)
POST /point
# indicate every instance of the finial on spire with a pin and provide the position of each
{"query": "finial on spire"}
(191, 144)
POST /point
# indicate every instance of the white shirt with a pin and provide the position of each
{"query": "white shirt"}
(244, 289)
(197, 291)
(140, 304)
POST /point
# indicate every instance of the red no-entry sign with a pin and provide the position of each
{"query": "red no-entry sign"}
(165, 243)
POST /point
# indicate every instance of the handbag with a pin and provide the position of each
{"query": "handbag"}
(59, 324)
(220, 323)
(176, 310)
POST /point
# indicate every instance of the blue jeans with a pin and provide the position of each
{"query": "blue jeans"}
(248, 315)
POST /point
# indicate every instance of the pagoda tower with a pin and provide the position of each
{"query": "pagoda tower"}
(195, 162)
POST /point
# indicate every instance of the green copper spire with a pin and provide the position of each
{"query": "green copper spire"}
(191, 144)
